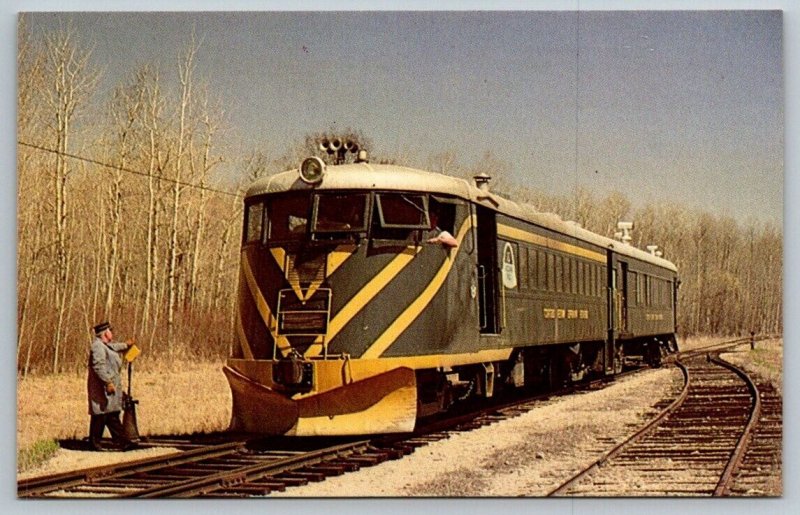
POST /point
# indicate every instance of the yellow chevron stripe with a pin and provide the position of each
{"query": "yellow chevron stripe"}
(335, 259)
(263, 308)
(243, 343)
(280, 257)
(536, 239)
(338, 256)
(365, 296)
(411, 313)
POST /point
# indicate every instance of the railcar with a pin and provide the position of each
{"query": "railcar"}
(372, 295)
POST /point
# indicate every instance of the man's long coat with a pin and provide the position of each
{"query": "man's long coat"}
(105, 364)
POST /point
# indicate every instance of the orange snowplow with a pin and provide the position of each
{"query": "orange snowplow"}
(382, 403)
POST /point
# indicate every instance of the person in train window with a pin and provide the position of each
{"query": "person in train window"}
(439, 235)
(104, 386)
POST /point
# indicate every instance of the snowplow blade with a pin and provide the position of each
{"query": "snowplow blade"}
(384, 403)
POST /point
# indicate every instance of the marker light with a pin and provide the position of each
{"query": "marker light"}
(312, 169)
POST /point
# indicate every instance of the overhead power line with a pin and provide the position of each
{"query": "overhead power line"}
(127, 170)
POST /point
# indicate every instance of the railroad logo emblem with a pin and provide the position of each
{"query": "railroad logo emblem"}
(509, 269)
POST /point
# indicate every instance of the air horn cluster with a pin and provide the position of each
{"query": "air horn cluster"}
(337, 148)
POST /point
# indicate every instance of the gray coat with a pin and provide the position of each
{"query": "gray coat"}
(105, 364)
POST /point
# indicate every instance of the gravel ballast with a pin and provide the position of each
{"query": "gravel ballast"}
(528, 455)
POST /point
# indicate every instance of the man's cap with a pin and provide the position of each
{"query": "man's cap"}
(101, 327)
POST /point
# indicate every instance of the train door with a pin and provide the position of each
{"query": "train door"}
(675, 285)
(488, 271)
(623, 299)
(611, 294)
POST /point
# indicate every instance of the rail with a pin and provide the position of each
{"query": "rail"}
(681, 436)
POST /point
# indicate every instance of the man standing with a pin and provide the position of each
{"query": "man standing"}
(105, 388)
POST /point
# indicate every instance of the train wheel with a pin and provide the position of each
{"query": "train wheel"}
(619, 359)
(653, 353)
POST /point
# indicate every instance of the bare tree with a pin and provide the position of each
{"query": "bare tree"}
(126, 111)
(200, 172)
(185, 69)
(157, 161)
(72, 81)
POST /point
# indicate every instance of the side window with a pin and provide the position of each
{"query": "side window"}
(522, 265)
(573, 275)
(551, 272)
(403, 211)
(254, 223)
(559, 273)
(602, 281)
(582, 278)
(399, 216)
(541, 270)
(657, 297)
(670, 288)
(633, 284)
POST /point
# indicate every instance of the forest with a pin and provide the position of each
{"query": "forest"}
(124, 214)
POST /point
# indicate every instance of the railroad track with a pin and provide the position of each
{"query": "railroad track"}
(761, 462)
(699, 445)
(248, 468)
(234, 469)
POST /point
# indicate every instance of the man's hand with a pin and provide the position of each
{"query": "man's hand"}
(110, 388)
(130, 343)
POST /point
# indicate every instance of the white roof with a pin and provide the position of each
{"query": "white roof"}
(367, 176)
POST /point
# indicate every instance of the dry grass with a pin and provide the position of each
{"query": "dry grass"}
(695, 342)
(766, 360)
(176, 398)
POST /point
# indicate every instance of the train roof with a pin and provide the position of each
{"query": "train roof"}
(368, 176)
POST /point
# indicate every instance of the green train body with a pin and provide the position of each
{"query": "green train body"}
(379, 294)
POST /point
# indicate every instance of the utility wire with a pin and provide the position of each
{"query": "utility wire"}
(128, 170)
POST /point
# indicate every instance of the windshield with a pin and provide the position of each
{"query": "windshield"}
(328, 216)
(288, 218)
(345, 213)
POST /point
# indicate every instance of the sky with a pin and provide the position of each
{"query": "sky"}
(676, 106)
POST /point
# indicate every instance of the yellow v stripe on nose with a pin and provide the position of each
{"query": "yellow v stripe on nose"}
(334, 260)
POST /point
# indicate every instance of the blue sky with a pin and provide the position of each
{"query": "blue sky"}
(685, 106)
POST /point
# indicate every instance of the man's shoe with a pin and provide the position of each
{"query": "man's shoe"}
(129, 446)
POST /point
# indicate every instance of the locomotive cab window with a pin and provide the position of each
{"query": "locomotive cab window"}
(338, 216)
(254, 223)
(403, 211)
(399, 216)
(287, 218)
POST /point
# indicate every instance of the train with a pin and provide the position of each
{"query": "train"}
(371, 296)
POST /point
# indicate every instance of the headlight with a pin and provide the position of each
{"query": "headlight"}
(312, 169)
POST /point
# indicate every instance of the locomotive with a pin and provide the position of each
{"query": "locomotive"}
(372, 295)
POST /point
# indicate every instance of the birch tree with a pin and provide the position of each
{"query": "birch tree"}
(71, 82)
